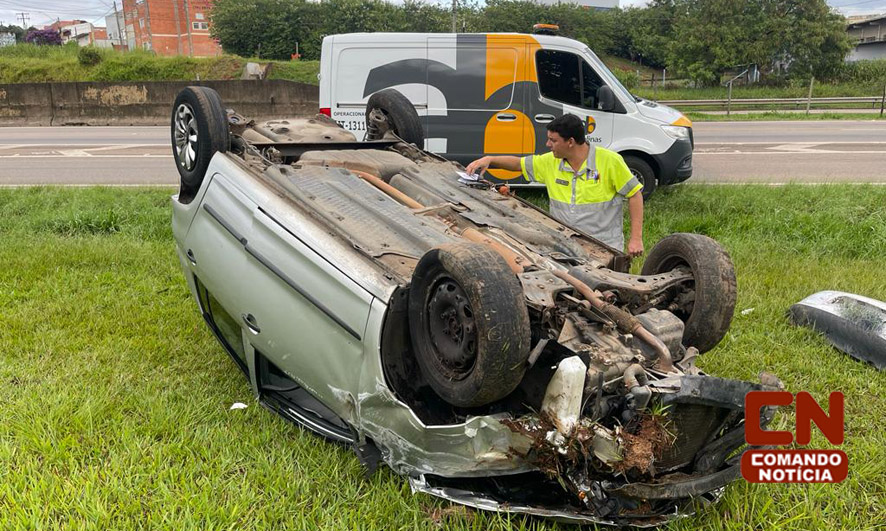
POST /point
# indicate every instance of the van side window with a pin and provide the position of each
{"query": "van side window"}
(590, 82)
(558, 76)
(565, 77)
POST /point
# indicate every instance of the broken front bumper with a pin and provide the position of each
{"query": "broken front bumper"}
(852, 323)
(708, 422)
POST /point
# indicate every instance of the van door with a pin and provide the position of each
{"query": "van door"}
(568, 84)
(474, 100)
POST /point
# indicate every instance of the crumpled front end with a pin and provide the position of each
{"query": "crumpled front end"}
(658, 464)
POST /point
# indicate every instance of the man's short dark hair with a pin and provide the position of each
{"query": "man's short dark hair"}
(568, 126)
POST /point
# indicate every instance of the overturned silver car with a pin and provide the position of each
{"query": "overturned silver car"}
(458, 334)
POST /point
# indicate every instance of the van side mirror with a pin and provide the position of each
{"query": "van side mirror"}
(605, 99)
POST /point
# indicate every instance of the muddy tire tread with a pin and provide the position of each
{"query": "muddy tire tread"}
(715, 284)
(503, 334)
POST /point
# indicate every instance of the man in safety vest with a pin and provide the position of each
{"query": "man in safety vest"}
(589, 198)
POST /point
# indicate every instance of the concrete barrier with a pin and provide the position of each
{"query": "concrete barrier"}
(145, 103)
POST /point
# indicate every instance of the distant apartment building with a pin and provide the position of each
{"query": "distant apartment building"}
(169, 27)
(115, 26)
(869, 37)
(81, 32)
(590, 4)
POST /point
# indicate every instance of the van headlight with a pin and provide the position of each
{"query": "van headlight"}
(676, 131)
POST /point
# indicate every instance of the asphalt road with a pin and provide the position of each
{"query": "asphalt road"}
(767, 152)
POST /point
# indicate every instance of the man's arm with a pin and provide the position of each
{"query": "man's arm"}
(635, 209)
(504, 162)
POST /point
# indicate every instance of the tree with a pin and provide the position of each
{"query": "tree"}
(807, 35)
(647, 32)
(711, 36)
(44, 37)
(15, 30)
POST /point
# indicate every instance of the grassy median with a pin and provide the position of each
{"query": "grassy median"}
(115, 397)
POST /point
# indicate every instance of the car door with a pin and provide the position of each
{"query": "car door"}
(307, 315)
(214, 247)
(568, 84)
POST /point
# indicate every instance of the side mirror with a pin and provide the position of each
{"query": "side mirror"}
(605, 99)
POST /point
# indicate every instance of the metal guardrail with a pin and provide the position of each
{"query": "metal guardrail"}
(774, 101)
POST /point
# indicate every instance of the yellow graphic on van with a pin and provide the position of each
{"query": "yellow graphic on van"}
(509, 136)
(592, 124)
(500, 68)
(682, 120)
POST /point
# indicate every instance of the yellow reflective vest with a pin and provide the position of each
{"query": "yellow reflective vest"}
(589, 199)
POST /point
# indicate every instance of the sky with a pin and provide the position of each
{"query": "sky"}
(44, 12)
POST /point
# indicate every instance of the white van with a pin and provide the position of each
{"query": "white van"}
(493, 94)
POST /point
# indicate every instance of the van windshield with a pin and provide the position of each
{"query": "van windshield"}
(621, 92)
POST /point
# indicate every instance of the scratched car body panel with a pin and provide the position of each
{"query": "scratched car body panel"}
(371, 296)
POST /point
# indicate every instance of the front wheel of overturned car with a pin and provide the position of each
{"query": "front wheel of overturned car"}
(707, 304)
(393, 112)
(643, 172)
(468, 324)
(199, 131)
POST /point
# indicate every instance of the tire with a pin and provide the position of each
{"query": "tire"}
(400, 115)
(644, 173)
(707, 318)
(199, 130)
(468, 325)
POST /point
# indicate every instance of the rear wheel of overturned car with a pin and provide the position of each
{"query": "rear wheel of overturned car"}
(707, 304)
(199, 131)
(643, 172)
(395, 113)
(468, 324)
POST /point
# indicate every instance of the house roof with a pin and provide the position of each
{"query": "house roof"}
(872, 21)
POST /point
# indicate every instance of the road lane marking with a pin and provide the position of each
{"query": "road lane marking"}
(815, 143)
(145, 156)
(815, 152)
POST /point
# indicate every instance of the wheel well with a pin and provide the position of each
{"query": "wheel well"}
(646, 157)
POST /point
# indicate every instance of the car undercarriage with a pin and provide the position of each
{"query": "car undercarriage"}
(530, 370)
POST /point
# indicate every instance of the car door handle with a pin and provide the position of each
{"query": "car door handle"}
(251, 323)
(505, 117)
(544, 118)
(191, 257)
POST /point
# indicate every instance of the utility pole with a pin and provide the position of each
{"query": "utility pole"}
(188, 27)
(121, 29)
(454, 16)
(178, 27)
(148, 24)
(25, 18)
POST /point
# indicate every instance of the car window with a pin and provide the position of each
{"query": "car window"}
(566, 78)
(227, 327)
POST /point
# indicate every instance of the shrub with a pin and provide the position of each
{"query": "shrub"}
(867, 72)
(89, 56)
(44, 37)
(629, 78)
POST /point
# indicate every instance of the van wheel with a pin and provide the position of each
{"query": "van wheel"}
(395, 113)
(468, 325)
(643, 172)
(199, 131)
(707, 303)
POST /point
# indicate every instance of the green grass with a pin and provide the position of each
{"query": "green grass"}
(115, 398)
(697, 116)
(796, 90)
(25, 63)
